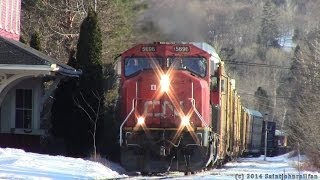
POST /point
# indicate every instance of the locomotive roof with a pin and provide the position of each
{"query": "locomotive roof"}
(201, 45)
(215, 59)
(254, 112)
(208, 48)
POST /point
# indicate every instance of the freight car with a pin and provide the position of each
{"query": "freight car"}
(271, 148)
(281, 142)
(254, 123)
(180, 110)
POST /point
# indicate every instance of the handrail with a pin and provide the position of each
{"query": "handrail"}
(197, 112)
(194, 107)
(132, 110)
(216, 137)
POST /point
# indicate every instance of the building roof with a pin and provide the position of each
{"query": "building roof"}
(16, 55)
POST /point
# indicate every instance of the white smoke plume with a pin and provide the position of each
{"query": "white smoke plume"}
(178, 20)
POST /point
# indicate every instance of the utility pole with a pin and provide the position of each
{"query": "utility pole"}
(265, 136)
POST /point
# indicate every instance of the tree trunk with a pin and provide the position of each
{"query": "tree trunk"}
(94, 141)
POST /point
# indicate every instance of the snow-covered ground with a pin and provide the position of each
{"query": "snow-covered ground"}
(18, 164)
(279, 167)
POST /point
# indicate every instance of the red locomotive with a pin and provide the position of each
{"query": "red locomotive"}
(180, 110)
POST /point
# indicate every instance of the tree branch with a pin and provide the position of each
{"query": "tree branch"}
(86, 112)
(89, 105)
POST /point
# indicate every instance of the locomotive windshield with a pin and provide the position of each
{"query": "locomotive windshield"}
(195, 65)
(136, 64)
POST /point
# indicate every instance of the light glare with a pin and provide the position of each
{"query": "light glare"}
(185, 121)
(140, 120)
(165, 83)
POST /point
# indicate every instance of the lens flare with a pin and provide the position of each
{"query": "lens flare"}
(165, 83)
(185, 121)
(140, 120)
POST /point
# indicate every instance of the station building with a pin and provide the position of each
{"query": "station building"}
(28, 79)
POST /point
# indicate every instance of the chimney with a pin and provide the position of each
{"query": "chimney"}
(10, 19)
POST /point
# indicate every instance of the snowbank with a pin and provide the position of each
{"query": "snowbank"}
(18, 164)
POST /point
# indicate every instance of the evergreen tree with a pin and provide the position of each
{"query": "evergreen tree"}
(35, 41)
(22, 40)
(269, 31)
(89, 52)
(62, 117)
(262, 100)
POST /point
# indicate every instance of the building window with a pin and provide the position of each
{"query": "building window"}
(23, 108)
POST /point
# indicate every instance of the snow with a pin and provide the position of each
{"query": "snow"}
(256, 168)
(286, 42)
(250, 168)
(18, 164)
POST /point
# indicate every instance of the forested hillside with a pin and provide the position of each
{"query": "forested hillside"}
(270, 47)
(247, 34)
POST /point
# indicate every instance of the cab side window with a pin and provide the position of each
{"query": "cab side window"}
(131, 66)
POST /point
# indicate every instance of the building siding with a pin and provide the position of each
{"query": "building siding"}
(10, 19)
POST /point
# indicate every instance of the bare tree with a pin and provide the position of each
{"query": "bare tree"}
(58, 22)
(303, 123)
(92, 114)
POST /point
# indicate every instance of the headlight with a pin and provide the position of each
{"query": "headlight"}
(185, 121)
(140, 121)
(165, 83)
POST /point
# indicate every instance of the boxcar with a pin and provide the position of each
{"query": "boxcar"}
(254, 132)
(271, 142)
